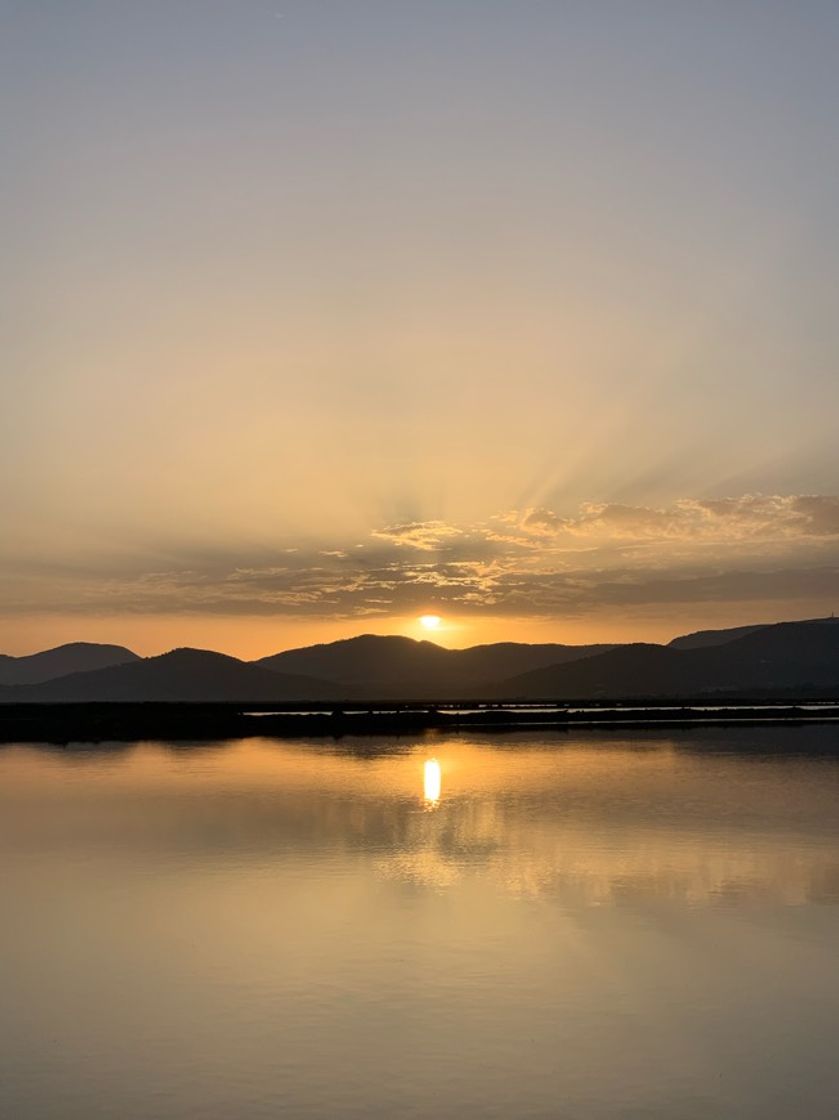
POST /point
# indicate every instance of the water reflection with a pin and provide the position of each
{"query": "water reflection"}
(604, 822)
(432, 782)
(261, 929)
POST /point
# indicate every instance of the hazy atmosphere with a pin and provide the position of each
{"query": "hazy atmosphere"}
(322, 316)
(419, 559)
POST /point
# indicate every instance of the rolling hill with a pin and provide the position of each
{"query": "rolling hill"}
(181, 675)
(379, 668)
(702, 639)
(785, 657)
(75, 657)
(782, 659)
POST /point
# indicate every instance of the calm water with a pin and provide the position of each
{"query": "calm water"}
(521, 926)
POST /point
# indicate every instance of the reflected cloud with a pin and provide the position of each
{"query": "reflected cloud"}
(598, 822)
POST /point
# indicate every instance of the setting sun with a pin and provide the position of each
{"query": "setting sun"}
(430, 621)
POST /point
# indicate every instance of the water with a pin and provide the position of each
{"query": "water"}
(584, 926)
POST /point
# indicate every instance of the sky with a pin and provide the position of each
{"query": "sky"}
(318, 316)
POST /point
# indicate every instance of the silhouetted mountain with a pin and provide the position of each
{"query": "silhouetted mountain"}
(75, 657)
(787, 656)
(362, 660)
(375, 667)
(183, 674)
(790, 658)
(702, 639)
(490, 662)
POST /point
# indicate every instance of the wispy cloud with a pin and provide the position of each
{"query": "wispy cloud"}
(530, 562)
(427, 536)
(750, 517)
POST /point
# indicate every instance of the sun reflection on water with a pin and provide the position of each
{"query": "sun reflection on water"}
(432, 782)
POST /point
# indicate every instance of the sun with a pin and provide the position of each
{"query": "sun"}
(430, 621)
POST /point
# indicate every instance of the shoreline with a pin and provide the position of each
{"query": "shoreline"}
(183, 721)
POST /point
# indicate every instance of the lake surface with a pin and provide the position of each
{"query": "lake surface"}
(571, 926)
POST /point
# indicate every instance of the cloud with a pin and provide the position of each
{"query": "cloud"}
(427, 536)
(750, 517)
(530, 562)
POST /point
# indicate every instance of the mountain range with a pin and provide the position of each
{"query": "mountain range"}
(401, 668)
(786, 658)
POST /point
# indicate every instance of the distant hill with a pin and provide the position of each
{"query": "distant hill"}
(784, 657)
(183, 674)
(491, 661)
(791, 658)
(377, 668)
(75, 657)
(702, 639)
(353, 661)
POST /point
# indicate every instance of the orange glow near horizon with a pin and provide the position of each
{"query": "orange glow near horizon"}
(251, 637)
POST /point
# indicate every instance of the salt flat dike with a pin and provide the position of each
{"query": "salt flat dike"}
(788, 661)
(196, 723)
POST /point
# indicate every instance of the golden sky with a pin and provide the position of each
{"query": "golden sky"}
(519, 314)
